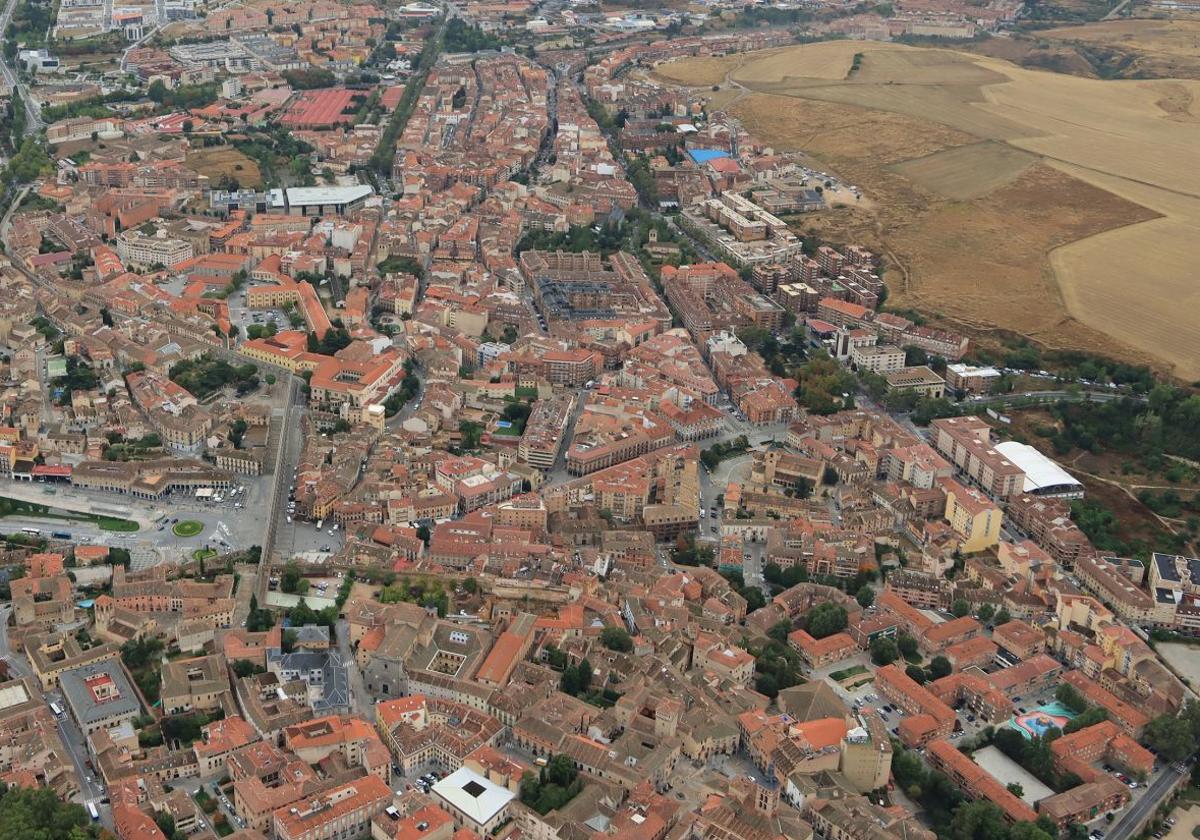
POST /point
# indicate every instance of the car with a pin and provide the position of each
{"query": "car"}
(970, 718)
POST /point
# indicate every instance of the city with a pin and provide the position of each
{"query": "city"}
(465, 420)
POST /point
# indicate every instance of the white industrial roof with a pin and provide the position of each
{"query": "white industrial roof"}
(327, 195)
(473, 795)
(1040, 471)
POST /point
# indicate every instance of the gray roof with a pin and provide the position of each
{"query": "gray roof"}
(310, 633)
(77, 694)
(333, 678)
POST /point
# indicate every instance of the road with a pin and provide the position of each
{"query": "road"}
(16, 663)
(33, 123)
(1056, 396)
(1131, 821)
(282, 539)
(361, 702)
(1116, 11)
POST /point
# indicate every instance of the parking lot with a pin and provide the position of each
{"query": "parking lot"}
(230, 520)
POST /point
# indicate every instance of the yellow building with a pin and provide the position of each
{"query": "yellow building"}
(972, 515)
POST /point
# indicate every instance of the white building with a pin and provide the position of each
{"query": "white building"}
(473, 801)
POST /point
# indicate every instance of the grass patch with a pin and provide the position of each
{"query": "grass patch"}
(16, 507)
(838, 676)
(187, 528)
(203, 554)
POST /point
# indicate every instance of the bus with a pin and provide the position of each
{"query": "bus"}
(33, 532)
(95, 815)
(57, 709)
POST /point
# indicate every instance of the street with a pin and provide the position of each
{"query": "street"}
(34, 122)
(1130, 822)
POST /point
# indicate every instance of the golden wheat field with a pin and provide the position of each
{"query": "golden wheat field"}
(1056, 206)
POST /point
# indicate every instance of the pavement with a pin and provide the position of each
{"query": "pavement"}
(361, 702)
(34, 122)
(1143, 808)
(226, 527)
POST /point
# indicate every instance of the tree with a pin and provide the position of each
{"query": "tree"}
(865, 596)
(561, 771)
(907, 645)
(917, 674)
(1070, 697)
(986, 612)
(291, 578)
(471, 432)
(939, 667)
(243, 667)
(585, 675)
(825, 620)
(884, 651)
(1003, 617)
(569, 682)
(780, 630)
(1015, 789)
(1172, 737)
(978, 820)
(616, 638)
(38, 814)
(960, 608)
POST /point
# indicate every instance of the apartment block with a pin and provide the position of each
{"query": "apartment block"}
(967, 442)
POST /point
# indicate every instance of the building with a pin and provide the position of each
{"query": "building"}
(137, 249)
(920, 380)
(973, 380)
(474, 801)
(818, 653)
(877, 358)
(974, 517)
(1021, 641)
(967, 442)
(319, 201)
(928, 718)
(1043, 477)
(338, 812)
(99, 696)
(978, 783)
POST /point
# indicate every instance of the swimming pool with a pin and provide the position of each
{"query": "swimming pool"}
(1040, 720)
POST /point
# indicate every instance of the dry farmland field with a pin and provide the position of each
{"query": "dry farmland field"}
(1058, 207)
(224, 160)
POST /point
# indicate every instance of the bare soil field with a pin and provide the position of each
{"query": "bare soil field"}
(1037, 231)
(697, 71)
(967, 172)
(225, 160)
